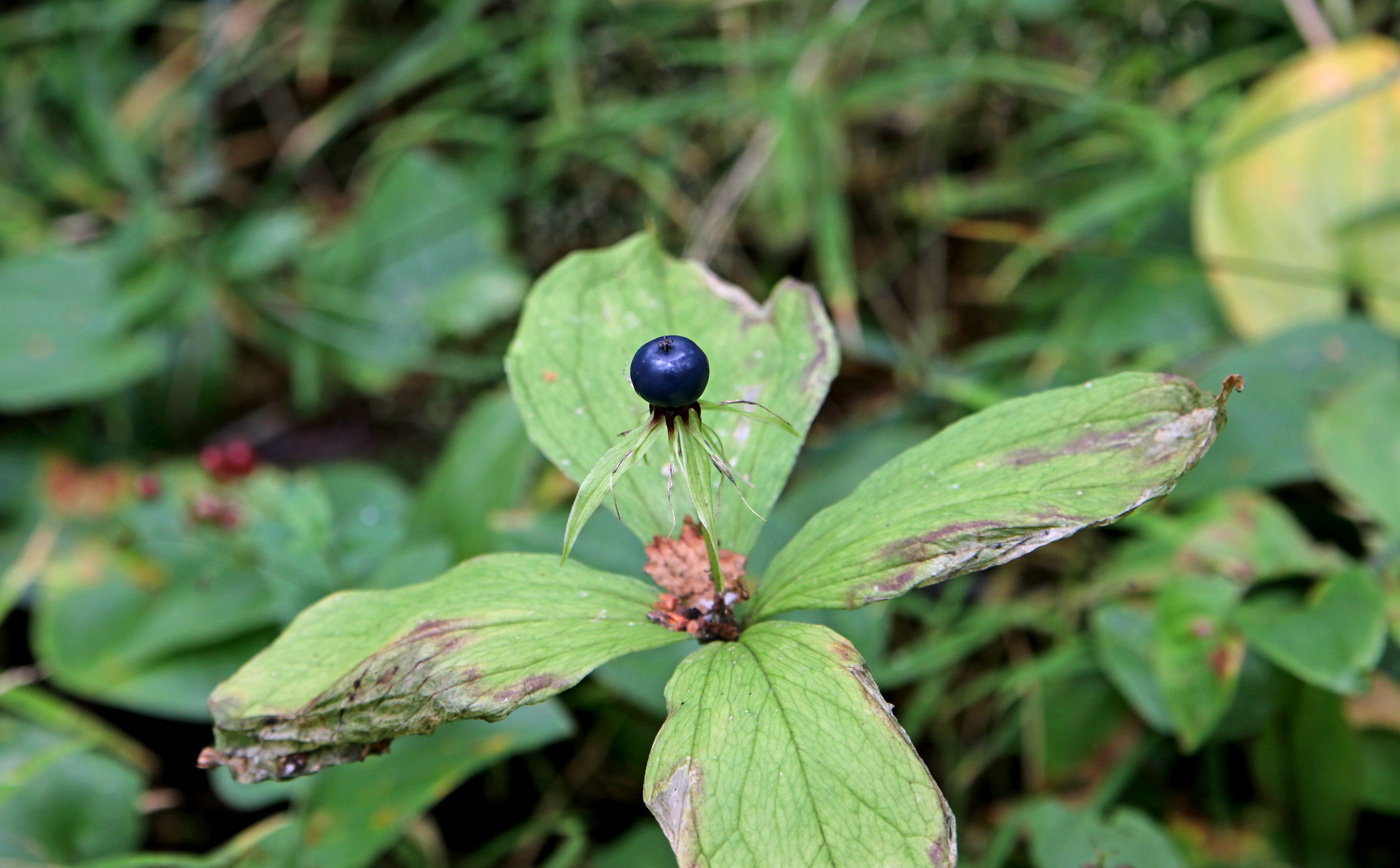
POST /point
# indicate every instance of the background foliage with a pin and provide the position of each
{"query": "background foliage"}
(309, 224)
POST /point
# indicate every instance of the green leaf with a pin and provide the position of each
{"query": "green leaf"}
(779, 750)
(994, 486)
(586, 317)
(1065, 837)
(1123, 642)
(1356, 445)
(1333, 640)
(361, 667)
(61, 803)
(485, 468)
(424, 256)
(1288, 376)
(63, 335)
(1380, 769)
(1195, 654)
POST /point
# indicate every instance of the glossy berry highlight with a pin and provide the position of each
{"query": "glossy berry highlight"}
(670, 372)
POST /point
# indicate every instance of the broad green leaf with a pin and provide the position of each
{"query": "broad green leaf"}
(60, 803)
(1333, 640)
(1064, 837)
(63, 333)
(1195, 654)
(1356, 445)
(485, 467)
(779, 750)
(1123, 642)
(346, 816)
(1289, 376)
(587, 316)
(361, 667)
(994, 486)
(1286, 216)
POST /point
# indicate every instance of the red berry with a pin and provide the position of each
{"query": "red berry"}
(239, 458)
(211, 458)
(148, 486)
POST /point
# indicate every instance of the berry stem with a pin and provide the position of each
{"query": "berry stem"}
(715, 574)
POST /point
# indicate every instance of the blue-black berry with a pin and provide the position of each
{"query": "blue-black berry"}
(670, 372)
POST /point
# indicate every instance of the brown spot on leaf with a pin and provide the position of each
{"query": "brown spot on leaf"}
(1090, 441)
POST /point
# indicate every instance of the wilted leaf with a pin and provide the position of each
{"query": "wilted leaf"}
(63, 333)
(1356, 445)
(1292, 213)
(1195, 654)
(362, 667)
(994, 486)
(584, 320)
(1333, 640)
(779, 750)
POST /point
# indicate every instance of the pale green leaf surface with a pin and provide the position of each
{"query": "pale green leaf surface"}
(1356, 445)
(360, 667)
(994, 486)
(779, 750)
(587, 316)
(1279, 215)
(1332, 640)
(1196, 655)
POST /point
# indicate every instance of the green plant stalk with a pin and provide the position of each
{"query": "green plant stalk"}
(715, 573)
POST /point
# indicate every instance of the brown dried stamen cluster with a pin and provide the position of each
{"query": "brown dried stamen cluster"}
(690, 605)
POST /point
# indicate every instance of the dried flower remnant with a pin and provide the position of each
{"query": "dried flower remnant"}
(691, 604)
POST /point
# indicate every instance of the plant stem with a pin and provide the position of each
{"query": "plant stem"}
(715, 573)
(1311, 24)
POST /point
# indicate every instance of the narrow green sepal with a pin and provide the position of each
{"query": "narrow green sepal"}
(751, 410)
(615, 462)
